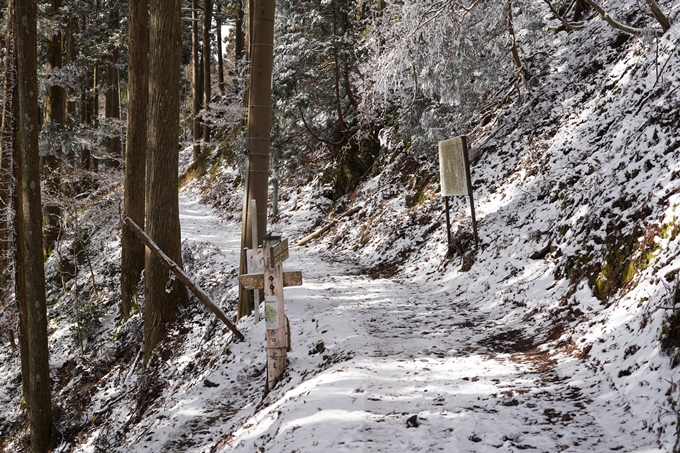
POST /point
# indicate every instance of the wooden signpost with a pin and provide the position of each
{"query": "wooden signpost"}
(454, 171)
(272, 281)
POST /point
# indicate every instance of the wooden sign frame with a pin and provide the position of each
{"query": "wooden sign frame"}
(455, 187)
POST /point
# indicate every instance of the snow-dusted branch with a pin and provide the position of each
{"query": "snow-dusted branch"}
(618, 25)
(659, 15)
(568, 25)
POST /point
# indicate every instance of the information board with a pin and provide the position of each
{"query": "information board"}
(452, 171)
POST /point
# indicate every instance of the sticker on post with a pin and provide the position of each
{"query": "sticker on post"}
(271, 317)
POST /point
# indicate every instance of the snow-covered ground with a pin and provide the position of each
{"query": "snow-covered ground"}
(370, 354)
(546, 338)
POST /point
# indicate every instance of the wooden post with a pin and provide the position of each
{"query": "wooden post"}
(275, 252)
(468, 178)
(183, 277)
(256, 292)
(448, 227)
(455, 178)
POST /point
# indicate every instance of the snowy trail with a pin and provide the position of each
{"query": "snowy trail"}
(368, 354)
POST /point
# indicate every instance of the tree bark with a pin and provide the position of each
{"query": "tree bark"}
(511, 31)
(239, 48)
(163, 225)
(207, 23)
(112, 94)
(7, 153)
(659, 15)
(30, 229)
(220, 61)
(618, 25)
(55, 112)
(132, 259)
(196, 129)
(259, 126)
(70, 52)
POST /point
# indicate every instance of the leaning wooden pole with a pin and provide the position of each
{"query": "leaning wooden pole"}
(183, 277)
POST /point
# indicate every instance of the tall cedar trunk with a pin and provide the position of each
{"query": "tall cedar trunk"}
(196, 129)
(30, 229)
(70, 58)
(163, 205)
(132, 260)
(112, 94)
(7, 152)
(207, 22)
(245, 297)
(55, 112)
(259, 125)
(220, 61)
(55, 102)
(239, 48)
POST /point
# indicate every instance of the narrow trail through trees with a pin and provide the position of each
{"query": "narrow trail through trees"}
(368, 354)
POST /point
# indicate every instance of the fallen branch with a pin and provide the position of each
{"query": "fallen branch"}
(134, 364)
(327, 227)
(183, 277)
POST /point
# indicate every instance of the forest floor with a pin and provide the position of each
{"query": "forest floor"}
(418, 363)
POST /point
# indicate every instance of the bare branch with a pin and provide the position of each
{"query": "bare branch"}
(619, 26)
(568, 25)
(659, 15)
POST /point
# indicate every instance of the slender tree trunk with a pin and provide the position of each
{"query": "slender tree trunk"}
(8, 150)
(196, 129)
(55, 113)
(70, 58)
(336, 60)
(132, 260)
(239, 48)
(30, 229)
(112, 95)
(511, 31)
(55, 102)
(163, 205)
(242, 52)
(220, 60)
(207, 23)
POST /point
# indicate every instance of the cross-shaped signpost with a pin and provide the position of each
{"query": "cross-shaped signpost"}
(272, 281)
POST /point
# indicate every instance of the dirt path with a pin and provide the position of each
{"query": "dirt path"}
(370, 354)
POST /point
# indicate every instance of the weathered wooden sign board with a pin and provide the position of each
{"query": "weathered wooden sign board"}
(453, 170)
(279, 253)
(272, 280)
(455, 179)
